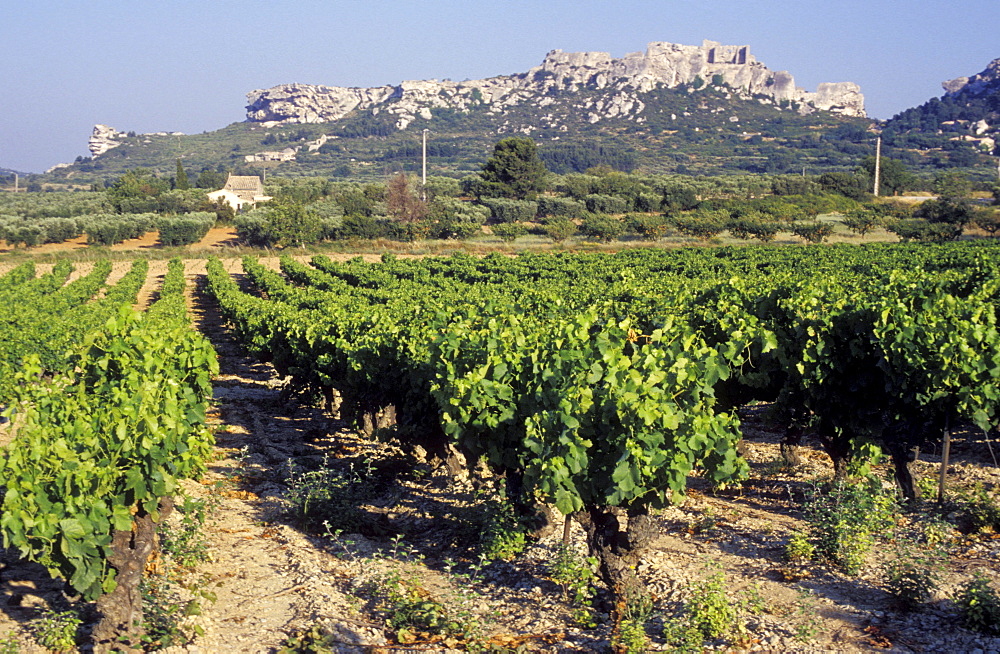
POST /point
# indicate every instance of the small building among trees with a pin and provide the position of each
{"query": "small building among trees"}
(288, 154)
(240, 191)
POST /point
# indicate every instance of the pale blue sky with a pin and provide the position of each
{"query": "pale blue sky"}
(185, 65)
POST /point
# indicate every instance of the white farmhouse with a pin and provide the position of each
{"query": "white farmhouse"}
(240, 191)
(288, 154)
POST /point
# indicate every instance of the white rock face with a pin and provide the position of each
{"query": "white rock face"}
(986, 131)
(662, 64)
(983, 81)
(839, 97)
(103, 139)
(304, 103)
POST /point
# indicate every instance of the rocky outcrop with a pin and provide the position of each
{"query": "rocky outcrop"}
(288, 154)
(305, 103)
(981, 91)
(988, 80)
(560, 74)
(104, 138)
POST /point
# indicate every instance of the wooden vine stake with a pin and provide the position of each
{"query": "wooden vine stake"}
(945, 451)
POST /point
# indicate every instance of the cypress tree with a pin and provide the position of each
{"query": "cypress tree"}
(181, 182)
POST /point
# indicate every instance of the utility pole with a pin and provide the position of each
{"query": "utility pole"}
(878, 163)
(16, 180)
(423, 186)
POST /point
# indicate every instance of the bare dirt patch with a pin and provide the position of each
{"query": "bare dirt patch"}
(217, 238)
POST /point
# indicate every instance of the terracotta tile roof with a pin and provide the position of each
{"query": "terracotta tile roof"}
(245, 186)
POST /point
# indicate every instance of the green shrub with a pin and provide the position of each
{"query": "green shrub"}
(647, 202)
(452, 218)
(109, 229)
(710, 608)
(679, 197)
(503, 210)
(862, 221)
(918, 229)
(560, 230)
(649, 227)
(164, 612)
(813, 232)
(6, 222)
(412, 612)
(576, 185)
(105, 232)
(364, 227)
(988, 220)
(703, 226)
(709, 613)
(597, 203)
(508, 232)
(602, 227)
(980, 606)
(456, 229)
(330, 227)
(185, 229)
(631, 635)
(24, 234)
(10, 643)
(502, 536)
(561, 207)
(577, 575)
(799, 548)
(314, 640)
(753, 227)
(60, 230)
(186, 543)
(252, 229)
(443, 187)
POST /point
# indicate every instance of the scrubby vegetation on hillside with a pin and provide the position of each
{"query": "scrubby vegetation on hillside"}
(511, 195)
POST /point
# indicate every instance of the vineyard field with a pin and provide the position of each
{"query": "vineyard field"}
(397, 442)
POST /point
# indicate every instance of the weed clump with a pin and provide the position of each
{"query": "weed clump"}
(980, 510)
(710, 613)
(980, 606)
(844, 520)
(912, 578)
(57, 630)
(413, 614)
(503, 535)
(576, 575)
(329, 498)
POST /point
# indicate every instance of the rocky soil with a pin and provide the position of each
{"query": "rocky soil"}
(401, 545)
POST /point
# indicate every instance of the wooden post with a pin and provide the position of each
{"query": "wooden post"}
(945, 452)
(423, 186)
(878, 163)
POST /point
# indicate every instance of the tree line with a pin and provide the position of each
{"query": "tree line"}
(515, 193)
